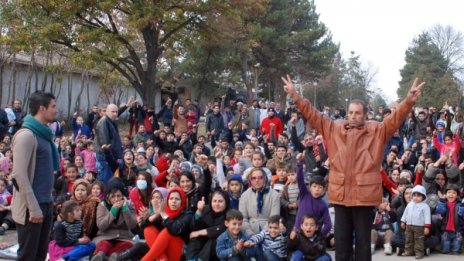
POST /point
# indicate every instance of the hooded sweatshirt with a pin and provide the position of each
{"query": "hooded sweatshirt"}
(417, 214)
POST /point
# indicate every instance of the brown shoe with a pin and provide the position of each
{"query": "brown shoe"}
(406, 253)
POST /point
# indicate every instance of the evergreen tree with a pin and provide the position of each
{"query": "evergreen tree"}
(424, 60)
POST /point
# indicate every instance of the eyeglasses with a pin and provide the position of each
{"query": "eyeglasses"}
(257, 178)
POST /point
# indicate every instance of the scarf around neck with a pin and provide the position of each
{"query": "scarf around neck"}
(44, 132)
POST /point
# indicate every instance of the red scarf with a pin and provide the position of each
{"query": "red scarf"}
(172, 214)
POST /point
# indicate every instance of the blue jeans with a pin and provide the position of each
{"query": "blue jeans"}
(270, 256)
(80, 251)
(298, 256)
(451, 241)
(103, 168)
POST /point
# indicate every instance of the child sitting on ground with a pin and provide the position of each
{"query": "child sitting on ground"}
(311, 201)
(307, 243)
(280, 179)
(382, 228)
(416, 220)
(273, 241)
(230, 245)
(6, 220)
(68, 241)
(289, 200)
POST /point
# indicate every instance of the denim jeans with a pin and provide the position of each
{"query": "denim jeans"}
(298, 256)
(451, 241)
(80, 251)
(103, 168)
(270, 256)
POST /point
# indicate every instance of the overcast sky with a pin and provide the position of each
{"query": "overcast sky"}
(381, 30)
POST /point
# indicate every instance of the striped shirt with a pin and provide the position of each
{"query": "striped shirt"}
(277, 245)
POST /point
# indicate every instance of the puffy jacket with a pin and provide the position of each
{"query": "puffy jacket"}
(355, 153)
(443, 210)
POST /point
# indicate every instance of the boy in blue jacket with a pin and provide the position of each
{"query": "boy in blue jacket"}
(230, 245)
(452, 212)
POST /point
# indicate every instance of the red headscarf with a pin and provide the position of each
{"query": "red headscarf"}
(172, 214)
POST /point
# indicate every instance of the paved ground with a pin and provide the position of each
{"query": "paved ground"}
(10, 237)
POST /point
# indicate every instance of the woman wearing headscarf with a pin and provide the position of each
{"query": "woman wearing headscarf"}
(167, 231)
(207, 225)
(81, 192)
(258, 202)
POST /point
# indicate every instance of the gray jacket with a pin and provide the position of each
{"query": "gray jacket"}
(253, 222)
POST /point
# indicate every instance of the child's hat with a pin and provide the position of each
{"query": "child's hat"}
(419, 189)
(236, 177)
(440, 123)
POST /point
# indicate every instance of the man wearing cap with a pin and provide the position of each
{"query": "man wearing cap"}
(272, 125)
(355, 149)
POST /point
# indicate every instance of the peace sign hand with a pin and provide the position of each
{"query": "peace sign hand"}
(288, 85)
(415, 91)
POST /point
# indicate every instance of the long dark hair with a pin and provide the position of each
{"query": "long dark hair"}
(146, 197)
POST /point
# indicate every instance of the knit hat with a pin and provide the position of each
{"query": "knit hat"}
(419, 189)
(271, 109)
(440, 123)
(197, 167)
(185, 165)
(236, 177)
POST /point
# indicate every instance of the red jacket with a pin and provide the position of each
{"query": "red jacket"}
(266, 126)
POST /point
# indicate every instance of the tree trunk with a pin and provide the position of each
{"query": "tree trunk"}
(245, 72)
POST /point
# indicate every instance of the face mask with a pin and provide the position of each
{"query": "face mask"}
(141, 184)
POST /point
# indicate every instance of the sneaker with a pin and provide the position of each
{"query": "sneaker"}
(427, 251)
(399, 251)
(387, 249)
(419, 256)
(372, 249)
(2, 231)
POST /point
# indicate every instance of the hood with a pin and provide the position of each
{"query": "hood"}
(419, 189)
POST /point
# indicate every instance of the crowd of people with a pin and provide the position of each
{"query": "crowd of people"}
(254, 184)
